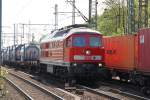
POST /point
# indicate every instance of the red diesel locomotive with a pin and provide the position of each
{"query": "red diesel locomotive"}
(74, 52)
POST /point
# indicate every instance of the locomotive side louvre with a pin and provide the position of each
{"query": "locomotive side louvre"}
(52, 52)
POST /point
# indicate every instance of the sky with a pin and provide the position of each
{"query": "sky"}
(20, 12)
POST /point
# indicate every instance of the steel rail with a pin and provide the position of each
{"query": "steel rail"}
(100, 92)
(38, 86)
(28, 97)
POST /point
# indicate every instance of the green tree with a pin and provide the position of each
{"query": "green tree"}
(113, 21)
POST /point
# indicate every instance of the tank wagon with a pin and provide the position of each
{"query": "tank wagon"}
(74, 51)
(30, 54)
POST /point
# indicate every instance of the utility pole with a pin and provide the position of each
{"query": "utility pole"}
(90, 2)
(143, 14)
(29, 32)
(131, 16)
(56, 16)
(33, 37)
(26, 35)
(93, 13)
(22, 33)
(123, 2)
(14, 34)
(0, 32)
(73, 10)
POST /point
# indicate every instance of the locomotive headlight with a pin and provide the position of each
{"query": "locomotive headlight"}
(100, 65)
(88, 52)
(75, 64)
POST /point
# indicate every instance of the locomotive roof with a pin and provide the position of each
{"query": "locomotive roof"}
(64, 33)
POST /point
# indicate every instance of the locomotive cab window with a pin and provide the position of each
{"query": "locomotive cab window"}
(79, 41)
(95, 42)
(68, 42)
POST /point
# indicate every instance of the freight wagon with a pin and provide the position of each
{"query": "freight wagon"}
(120, 54)
(22, 55)
(128, 57)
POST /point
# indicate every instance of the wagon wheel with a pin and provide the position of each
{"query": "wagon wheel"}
(146, 90)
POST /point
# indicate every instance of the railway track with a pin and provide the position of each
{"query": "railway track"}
(114, 94)
(68, 94)
(31, 90)
(91, 94)
(125, 88)
(22, 92)
(53, 87)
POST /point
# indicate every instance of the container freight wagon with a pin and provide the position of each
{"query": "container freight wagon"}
(128, 57)
(144, 51)
(120, 54)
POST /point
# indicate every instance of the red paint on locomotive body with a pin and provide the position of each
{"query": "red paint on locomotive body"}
(73, 52)
(86, 53)
(80, 45)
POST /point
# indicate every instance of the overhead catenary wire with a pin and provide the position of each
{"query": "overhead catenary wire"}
(82, 15)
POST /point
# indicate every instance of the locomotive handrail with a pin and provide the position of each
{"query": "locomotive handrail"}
(73, 26)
